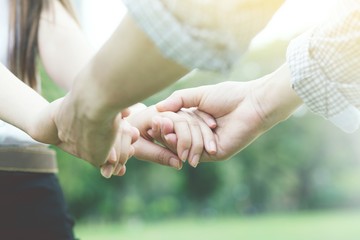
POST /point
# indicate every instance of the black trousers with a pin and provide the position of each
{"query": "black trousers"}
(32, 207)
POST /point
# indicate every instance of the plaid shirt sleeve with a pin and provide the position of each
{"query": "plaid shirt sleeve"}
(325, 67)
(209, 35)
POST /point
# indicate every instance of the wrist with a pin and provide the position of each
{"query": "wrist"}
(88, 101)
(42, 127)
(276, 98)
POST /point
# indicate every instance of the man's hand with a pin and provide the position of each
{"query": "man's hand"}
(243, 110)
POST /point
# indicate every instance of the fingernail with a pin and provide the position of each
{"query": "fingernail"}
(212, 147)
(155, 124)
(211, 123)
(107, 171)
(175, 163)
(170, 139)
(195, 160)
(151, 133)
(167, 138)
(184, 155)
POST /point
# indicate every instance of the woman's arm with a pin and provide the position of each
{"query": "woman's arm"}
(24, 108)
(63, 47)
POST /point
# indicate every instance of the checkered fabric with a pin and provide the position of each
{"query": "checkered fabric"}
(325, 66)
(206, 34)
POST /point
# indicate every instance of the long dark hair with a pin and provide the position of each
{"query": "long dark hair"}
(23, 39)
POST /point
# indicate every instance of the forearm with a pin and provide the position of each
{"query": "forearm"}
(276, 100)
(200, 36)
(20, 105)
(126, 70)
(58, 28)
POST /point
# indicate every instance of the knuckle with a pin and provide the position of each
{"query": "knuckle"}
(194, 123)
(63, 136)
(125, 129)
(123, 159)
(184, 143)
(198, 147)
(177, 93)
(162, 157)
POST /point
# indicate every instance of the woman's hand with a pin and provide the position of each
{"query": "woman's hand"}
(190, 134)
(103, 142)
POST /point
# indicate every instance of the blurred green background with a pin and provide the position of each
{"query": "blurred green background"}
(301, 180)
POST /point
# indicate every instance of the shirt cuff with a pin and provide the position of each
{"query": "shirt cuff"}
(173, 39)
(317, 92)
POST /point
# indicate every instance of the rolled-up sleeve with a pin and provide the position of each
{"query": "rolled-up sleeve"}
(209, 35)
(325, 67)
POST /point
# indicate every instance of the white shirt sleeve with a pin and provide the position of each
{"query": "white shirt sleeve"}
(325, 67)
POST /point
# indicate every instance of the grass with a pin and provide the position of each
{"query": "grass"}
(304, 226)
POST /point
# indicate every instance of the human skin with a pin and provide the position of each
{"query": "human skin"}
(197, 126)
(116, 78)
(243, 110)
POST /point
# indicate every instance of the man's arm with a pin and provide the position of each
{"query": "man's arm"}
(196, 34)
(126, 70)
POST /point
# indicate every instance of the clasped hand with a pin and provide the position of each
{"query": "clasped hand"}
(108, 142)
(208, 123)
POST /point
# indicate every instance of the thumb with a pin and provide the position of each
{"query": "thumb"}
(185, 98)
(125, 112)
(107, 170)
(108, 167)
(151, 152)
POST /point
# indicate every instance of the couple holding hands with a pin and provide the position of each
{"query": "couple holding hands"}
(100, 119)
